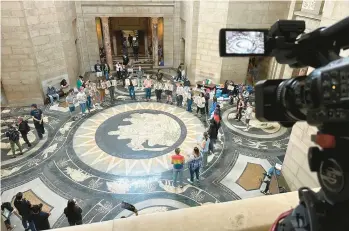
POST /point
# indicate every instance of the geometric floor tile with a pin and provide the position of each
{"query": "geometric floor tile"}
(250, 178)
(236, 175)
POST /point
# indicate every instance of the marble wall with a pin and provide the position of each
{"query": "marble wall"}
(38, 45)
(19, 72)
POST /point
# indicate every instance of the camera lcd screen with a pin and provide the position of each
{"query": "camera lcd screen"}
(244, 42)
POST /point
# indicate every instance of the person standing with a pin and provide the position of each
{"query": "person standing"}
(140, 73)
(213, 134)
(169, 91)
(131, 90)
(189, 99)
(200, 103)
(101, 88)
(80, 82)
(207, 99)
(70, 99)
(240, 106)
(38, 119)
(130, 40)
(73, 213)
(81, 98)
(248, 115)
(177, 161)
(158, 86)
(118, 69)
(213, 105)
(125, 60)
(13, 136)
(24, 129)
(106, 70)
(23, 207)
(147, 85)
(135, 48)
(179, 93)
(98, 70)
(179, 74)
(40, 218)
(111, 89)
(204, 148)
(194, 164)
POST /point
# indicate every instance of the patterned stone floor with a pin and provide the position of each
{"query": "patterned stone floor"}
(120, 152)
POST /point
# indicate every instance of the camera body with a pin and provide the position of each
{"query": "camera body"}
(321, 99)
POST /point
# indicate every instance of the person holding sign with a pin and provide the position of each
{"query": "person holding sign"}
(168, 91)
(147, 85)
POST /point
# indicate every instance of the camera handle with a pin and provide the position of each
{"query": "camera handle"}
(327, 209)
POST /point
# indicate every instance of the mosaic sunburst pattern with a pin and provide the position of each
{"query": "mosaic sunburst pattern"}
(136, 139)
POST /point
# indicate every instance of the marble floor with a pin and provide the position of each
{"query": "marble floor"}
(121, 152)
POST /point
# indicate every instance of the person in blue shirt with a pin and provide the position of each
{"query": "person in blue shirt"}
(194, 164)
(213, 105)
(37, 116)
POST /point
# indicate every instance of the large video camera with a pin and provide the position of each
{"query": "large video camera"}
(321, 99)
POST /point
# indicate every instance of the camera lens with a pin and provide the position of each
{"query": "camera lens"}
(290, 95)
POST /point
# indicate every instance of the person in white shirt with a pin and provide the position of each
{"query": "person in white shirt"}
(200, 103)
(180, 93)
(118, 69)
(248, 115)
(168, 91)
(81, 98)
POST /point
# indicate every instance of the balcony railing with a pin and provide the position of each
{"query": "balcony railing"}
(255, 214)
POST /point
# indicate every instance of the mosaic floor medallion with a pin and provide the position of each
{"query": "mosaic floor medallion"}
(136, 139)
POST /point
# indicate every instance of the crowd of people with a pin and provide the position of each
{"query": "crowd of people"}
(34, 217)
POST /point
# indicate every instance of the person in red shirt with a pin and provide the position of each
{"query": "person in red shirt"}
(178, 161)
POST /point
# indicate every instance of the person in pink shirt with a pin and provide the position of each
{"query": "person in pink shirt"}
(147, 86)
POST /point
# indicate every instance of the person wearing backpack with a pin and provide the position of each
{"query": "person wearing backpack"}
(24, 128)
(13, 136)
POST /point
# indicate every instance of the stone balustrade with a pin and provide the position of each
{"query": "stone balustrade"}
(255, 214)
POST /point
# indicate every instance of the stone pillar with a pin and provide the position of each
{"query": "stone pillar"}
(106, 39)
(114, 46)
(154, 27)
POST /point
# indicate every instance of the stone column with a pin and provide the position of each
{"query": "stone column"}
(154, 27)
(106, 39)
(114, 46)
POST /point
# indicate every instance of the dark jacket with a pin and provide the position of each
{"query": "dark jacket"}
(125, 60)
(213, 130)
(73, 215)
(7, 205)
(98, 67)
(41, 220)
(23, 207)
(23, 127)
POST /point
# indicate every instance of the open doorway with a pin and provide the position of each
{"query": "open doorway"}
(257, 69)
